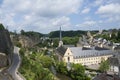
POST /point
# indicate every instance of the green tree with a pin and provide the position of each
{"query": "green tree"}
(78, 72)
(61, 68)
(70, 40)
(104, 66)
(1, 27)
(35, 66)
(46, 61)
(55, 41)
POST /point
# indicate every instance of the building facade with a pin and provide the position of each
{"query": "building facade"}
(86, 56)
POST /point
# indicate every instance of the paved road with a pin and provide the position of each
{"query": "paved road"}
(13, 69)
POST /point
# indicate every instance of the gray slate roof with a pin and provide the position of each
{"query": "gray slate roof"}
(61, 50)
(80, 52)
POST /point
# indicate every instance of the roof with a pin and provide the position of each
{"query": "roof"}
(99, 48)
(117, 47)
(80, 52)
(61, 50)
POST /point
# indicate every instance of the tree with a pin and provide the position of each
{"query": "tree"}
(35, 66)
(104, 66)
(70, 40)
(78, 72)
(1, 27)
(61, 68)
(46, 61)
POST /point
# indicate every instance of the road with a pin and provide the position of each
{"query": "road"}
(13, 69)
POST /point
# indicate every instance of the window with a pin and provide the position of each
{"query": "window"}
(68, 59)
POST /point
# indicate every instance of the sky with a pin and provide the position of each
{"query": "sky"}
(48, 15)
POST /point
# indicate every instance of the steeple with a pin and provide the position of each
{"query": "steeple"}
(60, 35)
(60, 41)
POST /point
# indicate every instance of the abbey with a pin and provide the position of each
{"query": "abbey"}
(86, 56)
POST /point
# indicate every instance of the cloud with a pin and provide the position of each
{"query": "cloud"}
(87, 24)
(87, 18)
(37, 14)
(98, 2)
(113, 19)
(109, 9)
(111, 12)
(63, 21)
(48, 15)
(86, 10)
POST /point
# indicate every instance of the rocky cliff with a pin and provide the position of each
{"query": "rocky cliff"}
(5, 43)
(3, 60)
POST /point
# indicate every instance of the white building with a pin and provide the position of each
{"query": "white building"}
(85, 56)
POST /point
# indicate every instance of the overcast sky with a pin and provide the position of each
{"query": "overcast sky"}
(48, 15)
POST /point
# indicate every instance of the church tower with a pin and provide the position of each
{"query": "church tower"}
(60, 40)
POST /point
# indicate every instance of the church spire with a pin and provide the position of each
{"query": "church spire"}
(60, 41)
(60, 35)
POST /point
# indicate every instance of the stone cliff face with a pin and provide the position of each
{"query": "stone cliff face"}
(3, 60)
(5, 43)
(25, 41)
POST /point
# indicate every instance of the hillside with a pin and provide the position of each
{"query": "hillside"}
(32, 34)
(54, 34)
